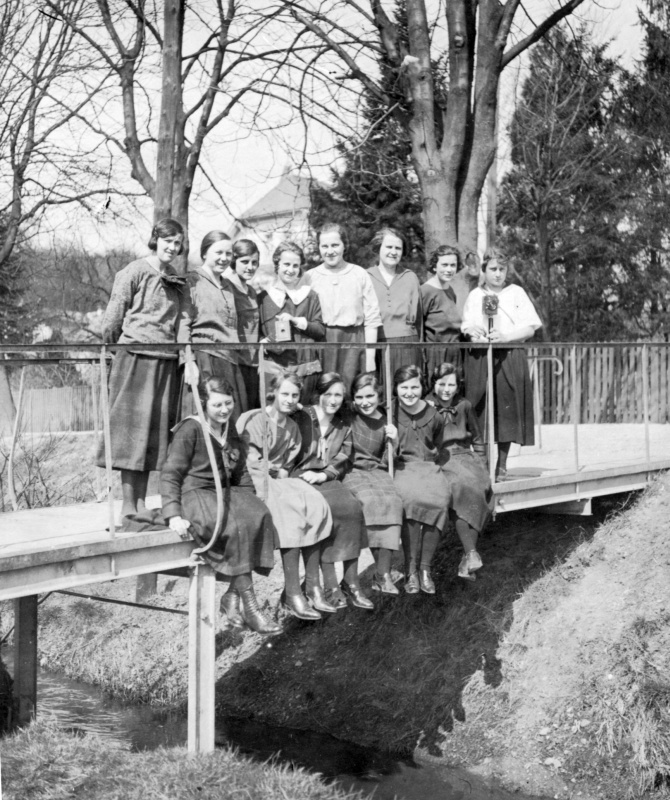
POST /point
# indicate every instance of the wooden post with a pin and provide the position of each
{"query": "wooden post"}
(201, 659)
(104, 405)
(490, 400)
(645, 401)
(25, 658)
(266, 423)
(575, 408)
(389, 401)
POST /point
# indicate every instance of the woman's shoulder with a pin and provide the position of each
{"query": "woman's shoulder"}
(187, 428)
(248, 420)
(136, 268)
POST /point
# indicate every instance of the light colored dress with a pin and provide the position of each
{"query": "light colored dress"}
(300, 513)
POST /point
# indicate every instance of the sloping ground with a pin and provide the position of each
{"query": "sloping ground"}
(584, 700)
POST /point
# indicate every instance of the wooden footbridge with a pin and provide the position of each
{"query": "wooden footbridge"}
(601, 413)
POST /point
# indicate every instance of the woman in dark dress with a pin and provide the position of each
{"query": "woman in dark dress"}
(425, 492)
(370, 481)
(143, 387)
(322, 462)
(246, 542)
(291, 312)
(462, 458)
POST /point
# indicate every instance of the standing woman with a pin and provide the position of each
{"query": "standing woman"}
(370, 481)
(399, 296)
(322, 462)
(246, 541)
(443, 299)
(143, 388)
(462, 458)
(348, 303)
(300, 513)
(242, 269)
(425, 492)
(291, 313)
(515, 321)
(209, 316)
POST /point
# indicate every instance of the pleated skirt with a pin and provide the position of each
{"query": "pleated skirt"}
(471, 493)
(347, 362)
(382, 505)
(300, 513)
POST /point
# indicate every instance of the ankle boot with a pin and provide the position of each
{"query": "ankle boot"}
(298, 605)
(254, 617)
(230, 606)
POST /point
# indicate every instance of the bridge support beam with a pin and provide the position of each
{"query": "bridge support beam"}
(202, 656)
(25, 659)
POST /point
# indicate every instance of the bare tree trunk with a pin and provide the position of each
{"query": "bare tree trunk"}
(7, 407)
(545, 275)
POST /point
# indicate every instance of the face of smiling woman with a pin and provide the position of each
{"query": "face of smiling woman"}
(246, 266)
(331, 249)
(288, 268)
(446, 387)
(331, 401)
(409, 393)
(219, 408)
(366, 401)
(390, 252)
(446, 267)
(167, 249)
(218, 257)
(286, 398)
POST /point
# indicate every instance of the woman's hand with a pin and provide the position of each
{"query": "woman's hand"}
(391, 432)
(314, 478)
(191, 373)
(477, 333)
(282, 473)
(181, 526)
(496, 336)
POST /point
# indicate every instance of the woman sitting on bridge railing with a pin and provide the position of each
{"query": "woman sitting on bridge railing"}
(462, 458)
(512, 319)
(143, 389)
(324, 458)
(188, 490)
(300, 513)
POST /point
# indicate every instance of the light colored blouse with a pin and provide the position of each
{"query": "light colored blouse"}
(347, 296)
(515, 311)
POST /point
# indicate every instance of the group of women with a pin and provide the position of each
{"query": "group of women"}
(315, 468)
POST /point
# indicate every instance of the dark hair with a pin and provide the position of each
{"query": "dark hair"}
(333, 227)
(290, 247)
(277, 380)
(444, 369)
(211, 386)
(382, 233)
(408, 373)
(494, 254)
(364, 379)
(325, 381)
(242, 248)
(163, 229)
(211, 238)
(444, 250)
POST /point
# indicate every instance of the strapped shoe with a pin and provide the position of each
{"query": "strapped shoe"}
(230, 606)
(426, 582)
(358, 599)
(463, 571)
(318, 599)
(298, 605)
(384, 585)
(335, 598)
(254, 617)
(412, 585)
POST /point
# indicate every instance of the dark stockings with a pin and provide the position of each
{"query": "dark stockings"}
(419, 549)
(382, 556)
(431, 538)
(240, 582)
(133, 491)
(290, 557)
(467, 534)
(350, 573)
(503, 452)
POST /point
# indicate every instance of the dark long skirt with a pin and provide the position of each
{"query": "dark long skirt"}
(143, 398)
(512, 392)
(247, 539)
(400, 356)
(347, 362)
(425, 492)
(382, 505)
(471, 493)
(348, 536)
(436, 354)
(211, 366)
(252, 387)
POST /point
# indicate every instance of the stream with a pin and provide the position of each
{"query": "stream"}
(82, 708)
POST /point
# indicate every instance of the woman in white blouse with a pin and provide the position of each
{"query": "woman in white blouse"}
(514, 320)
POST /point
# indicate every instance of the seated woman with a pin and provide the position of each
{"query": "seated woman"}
(300, 513)
(290, 312)
(246, 541)
(370, 481)
(322, 462)
(426, 495)
(462, 458)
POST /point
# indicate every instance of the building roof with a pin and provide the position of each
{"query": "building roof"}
(289, 196)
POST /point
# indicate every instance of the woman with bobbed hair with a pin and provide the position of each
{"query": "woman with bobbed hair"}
(300, 513)
(462, 458)
(369, 478)
(442, 299)
(425, 492)
(188, 489)
(144, 309)
(322, 462)
(399, 295)
(243, 266)
(209, 317)
(515, 320)
(290, 311)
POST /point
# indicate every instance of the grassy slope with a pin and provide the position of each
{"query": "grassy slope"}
(43, 762)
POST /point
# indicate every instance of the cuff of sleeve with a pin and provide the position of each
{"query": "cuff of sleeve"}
(172, 509)
(301, 323)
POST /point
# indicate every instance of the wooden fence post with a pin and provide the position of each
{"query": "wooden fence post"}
(201, 658)
(25, 658)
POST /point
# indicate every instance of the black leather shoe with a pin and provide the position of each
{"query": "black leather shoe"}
(319, 601)
(297, 605)
(358, 599)
(230, 606)
(254, 617)
(426, 582)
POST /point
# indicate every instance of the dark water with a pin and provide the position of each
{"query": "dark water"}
(81, 708)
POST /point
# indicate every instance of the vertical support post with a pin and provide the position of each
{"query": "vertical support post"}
(96, 430)
(266, 423)
(489, 410)
(104, 403)
(15, 436)
(389, 401)
(645, 401)
(25, 658)
(575, 409)
(201, 658)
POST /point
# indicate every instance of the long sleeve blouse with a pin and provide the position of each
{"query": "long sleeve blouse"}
(461, 427)
(246, 306)
(330, 453)
(304, 303)
(347, 296)
(188, 467)
(419, 435)
(208, 314)
(144, 308)
(370, 445)
(283, 443)
(399, 303)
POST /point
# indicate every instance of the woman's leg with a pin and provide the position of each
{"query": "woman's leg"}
(352, 587)
(312, 557)
(329, 575)
(411, 545)
(292, 596)
(429, 542)
(503, 452)
(133, 491)
(382, 581)
(471, 561)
